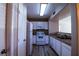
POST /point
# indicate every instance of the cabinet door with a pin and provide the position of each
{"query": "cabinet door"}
(34, 25)
(66, 50)
(46, 39)
(45, 25)
(34, 39)
(40, 25)
(58, 47)
(52, 42)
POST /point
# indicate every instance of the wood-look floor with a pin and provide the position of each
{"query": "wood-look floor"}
(42, 51)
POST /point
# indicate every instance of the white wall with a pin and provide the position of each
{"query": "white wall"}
(53, 26)
(2, 26)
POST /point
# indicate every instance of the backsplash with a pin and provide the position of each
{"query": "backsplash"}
(40, 30)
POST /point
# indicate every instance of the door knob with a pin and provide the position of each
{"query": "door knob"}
(24, 40)
(3, 51)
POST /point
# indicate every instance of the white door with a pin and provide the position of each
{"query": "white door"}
(22, 31)
(2, 27)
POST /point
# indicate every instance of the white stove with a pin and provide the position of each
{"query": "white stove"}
(40, 40)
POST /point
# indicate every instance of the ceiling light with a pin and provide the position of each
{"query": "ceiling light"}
(43, 6)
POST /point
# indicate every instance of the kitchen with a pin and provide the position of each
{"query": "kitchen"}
(54, 31)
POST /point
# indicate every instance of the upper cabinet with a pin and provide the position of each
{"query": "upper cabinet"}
(40, 25)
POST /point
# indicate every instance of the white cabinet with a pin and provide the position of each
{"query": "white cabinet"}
(34, 39)
(52, 42)
(34, 25)
(66, 50)
(40, 25)
(46, 39)
(58, 47)
(45, 25)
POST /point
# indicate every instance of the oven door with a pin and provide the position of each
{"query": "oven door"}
(40, 38)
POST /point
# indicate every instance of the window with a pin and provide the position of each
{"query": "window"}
(65, 25)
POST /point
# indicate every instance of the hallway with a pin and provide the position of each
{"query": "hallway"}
(42, 51)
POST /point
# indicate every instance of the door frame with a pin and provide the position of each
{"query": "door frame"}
(75, 29)
(27, 39)
(17, 27)
(8, 16)
(77, 16)
(9, 8)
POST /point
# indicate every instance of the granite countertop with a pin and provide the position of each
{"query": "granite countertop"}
(66, 41)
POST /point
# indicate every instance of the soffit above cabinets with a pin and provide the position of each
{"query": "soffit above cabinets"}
(57, 10)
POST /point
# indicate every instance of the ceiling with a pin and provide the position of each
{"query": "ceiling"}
(33, 9)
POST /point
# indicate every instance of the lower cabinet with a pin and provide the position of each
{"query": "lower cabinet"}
(66, 50)
(34, 39)
(52, 43)
(60, 48)
(46, 39)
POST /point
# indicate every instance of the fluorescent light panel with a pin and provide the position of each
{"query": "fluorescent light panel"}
(43, 6)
